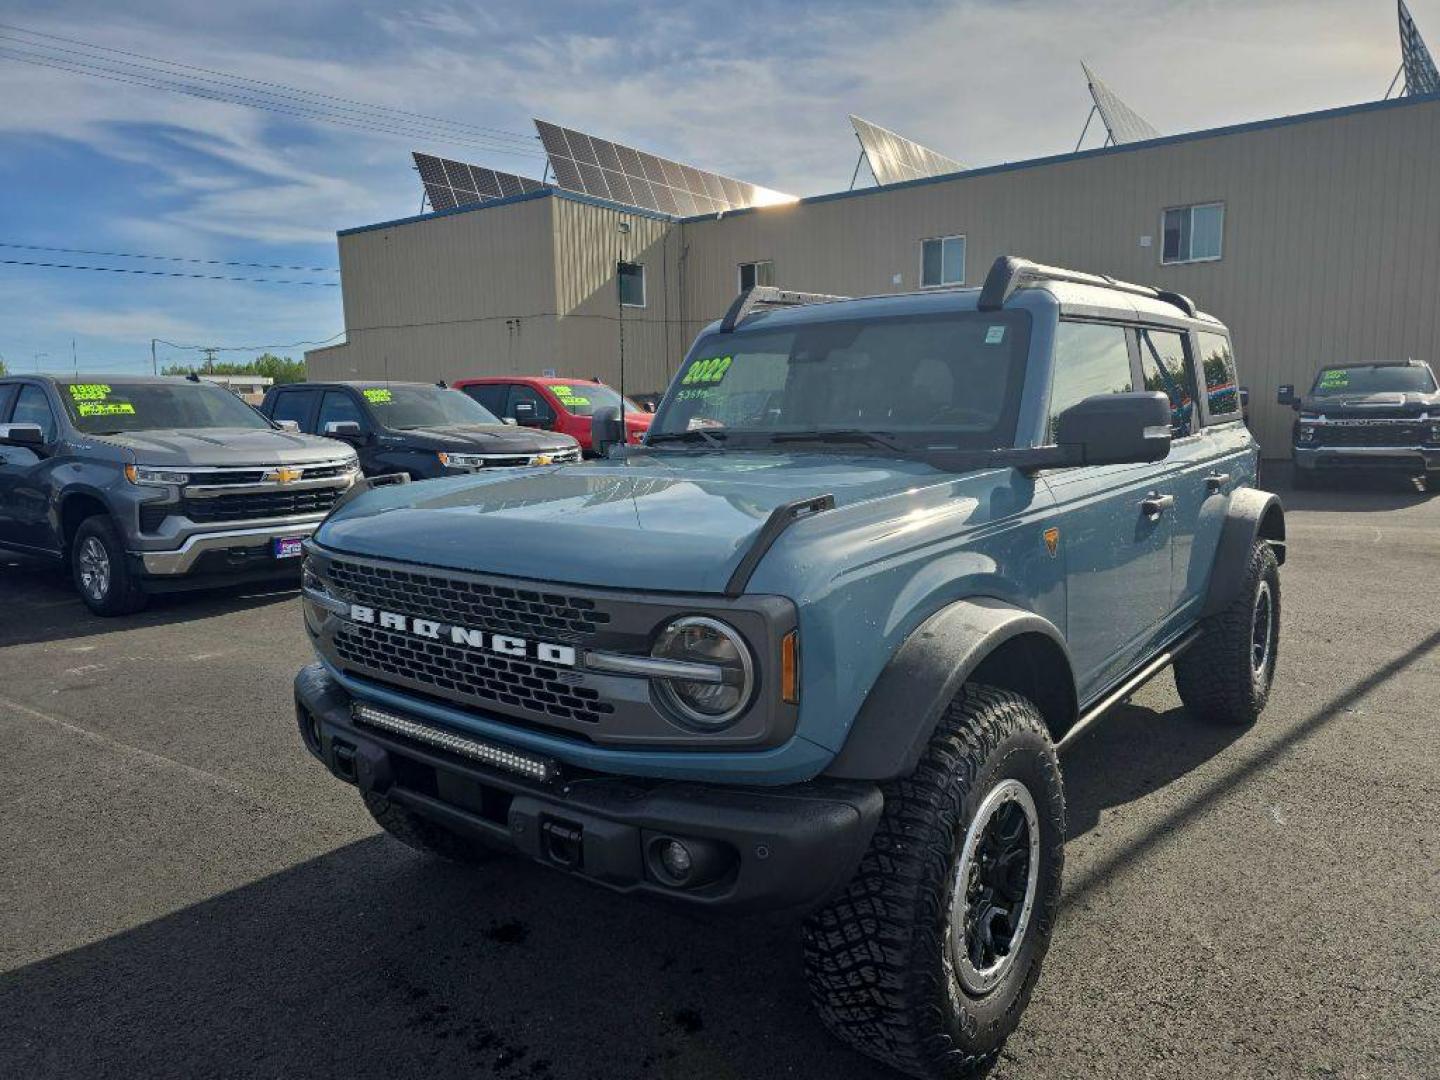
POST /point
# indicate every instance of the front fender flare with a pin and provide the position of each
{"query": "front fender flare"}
(899, 715)
(1252, 515)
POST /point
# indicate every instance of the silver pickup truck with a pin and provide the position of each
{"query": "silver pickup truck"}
(152, 484)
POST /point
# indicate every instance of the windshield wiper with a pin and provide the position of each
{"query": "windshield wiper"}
(846, 435)
(710, 438)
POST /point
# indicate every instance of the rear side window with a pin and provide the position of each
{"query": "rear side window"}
(293, 405)
(7, 395)
(338, 406)
(491, 395)
(1163, 367)
(1090, 359)
(1222, 393)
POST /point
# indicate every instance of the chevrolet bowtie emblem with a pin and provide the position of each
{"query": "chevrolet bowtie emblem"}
(284, 474)
(541, 459)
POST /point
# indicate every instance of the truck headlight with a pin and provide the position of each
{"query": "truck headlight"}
(696, 639)
(144, 474)
(1434, 431)
(461, 461)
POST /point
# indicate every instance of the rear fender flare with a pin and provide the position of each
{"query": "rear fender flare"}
(1252, 515)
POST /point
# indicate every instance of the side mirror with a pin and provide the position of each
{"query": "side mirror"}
(27, 435)
(606, 430)
(1116, 429)
(292, 426)
(1286, 396)
(342, 429)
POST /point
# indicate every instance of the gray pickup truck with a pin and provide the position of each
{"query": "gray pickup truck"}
(146, 485)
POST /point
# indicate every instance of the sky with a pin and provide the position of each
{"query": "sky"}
(754, 90)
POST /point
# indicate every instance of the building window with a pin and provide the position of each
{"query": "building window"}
(756, 273)
(942, 261)
(632, 284)
(1192, 233)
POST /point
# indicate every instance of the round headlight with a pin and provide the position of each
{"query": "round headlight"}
(729, 672)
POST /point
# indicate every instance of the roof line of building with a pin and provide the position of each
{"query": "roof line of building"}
(986, 170)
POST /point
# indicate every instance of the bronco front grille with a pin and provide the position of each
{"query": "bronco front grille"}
(526, 613)
(261, 504)
(471, 676)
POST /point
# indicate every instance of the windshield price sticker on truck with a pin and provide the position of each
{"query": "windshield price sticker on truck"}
(104, 408)
(1333, 380)
(568, 397)
(378, 396)
(89, 391)
(708, 372)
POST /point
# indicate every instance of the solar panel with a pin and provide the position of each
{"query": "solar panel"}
(449, 184)
(1123, 123)
(894, 158)
(607, 170)
(1421, 76)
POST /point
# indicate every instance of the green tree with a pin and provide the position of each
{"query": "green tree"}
(3, 369)
(280, 368)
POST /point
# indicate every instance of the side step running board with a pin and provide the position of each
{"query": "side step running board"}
(1129, 686)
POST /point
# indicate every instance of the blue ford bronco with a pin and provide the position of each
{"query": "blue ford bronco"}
(816, 643)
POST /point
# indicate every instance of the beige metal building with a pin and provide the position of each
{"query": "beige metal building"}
(1315, 237)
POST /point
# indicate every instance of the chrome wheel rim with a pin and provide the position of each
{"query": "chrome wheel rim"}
(1262, 621)
(993, 894)
(94, 569)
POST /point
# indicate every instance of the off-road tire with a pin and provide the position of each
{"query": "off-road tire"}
(1216, 677)
(415, 831)
(876, 958)
(97, 537)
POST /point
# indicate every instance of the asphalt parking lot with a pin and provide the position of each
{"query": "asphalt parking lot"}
(186, 893)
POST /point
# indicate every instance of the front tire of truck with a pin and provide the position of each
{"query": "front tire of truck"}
(99, 569)
(415, 831)
(927, 960)
(1225, 676)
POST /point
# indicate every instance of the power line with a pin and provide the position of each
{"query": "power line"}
(248, 348)
(166, 273)
(235, 97)
(477, 128)
(169, 258)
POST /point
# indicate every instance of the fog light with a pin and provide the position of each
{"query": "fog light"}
(675, 858)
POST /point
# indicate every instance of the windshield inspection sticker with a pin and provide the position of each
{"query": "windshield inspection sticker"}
(378, 396)
(707, 372)
(994, 335)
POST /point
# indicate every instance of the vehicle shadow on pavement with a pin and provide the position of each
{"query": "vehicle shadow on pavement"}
(38, 604)
(375, 961)
(1129, 754)
(1358, 493)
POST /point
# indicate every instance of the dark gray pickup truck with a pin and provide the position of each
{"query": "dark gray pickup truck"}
(145, 485)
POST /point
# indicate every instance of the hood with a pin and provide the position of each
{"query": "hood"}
(674, 522)
(223, 446)
(1377, 406)
(482, 438)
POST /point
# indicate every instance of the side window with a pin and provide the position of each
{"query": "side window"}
(1090, 359)
(527, 406)
(1222, 392)
(293, 405)
(490, 395)
(7, 395)
(338, 406)
(1163, 367)
(32, 407)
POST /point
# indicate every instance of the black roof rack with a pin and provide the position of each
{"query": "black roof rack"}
(1010, 272)
(768, 296)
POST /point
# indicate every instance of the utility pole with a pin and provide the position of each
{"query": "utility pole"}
(154, 368)
(74, 357)
(209, 360)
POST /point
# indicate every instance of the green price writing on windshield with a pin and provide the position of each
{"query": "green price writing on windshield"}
(710, 371)
(1335, 378)
(89, 391)
(104, 408)
(378, 396)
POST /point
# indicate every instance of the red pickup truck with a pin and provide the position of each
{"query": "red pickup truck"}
(555, 404)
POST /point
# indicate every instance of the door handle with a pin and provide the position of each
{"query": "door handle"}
(1216, 481)
(1152, 506)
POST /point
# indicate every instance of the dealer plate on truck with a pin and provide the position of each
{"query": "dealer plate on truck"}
(288, 547)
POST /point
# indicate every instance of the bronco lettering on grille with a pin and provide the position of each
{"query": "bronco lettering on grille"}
(542, 651)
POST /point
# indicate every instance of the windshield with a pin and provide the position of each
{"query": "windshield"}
(583, 399)
(1374, 379)
(113, 408)
(950, 380)
(402, 407)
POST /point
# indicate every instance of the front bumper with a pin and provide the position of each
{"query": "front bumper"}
(244, 550)
(1413, 459)
(781, 848)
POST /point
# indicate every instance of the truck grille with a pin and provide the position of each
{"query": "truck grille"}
(467, 675)
(261, 504)
(455, 602)
(1368, 434)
